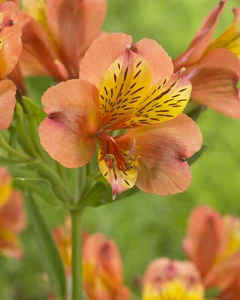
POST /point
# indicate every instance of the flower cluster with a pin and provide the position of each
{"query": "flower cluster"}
(212, 245)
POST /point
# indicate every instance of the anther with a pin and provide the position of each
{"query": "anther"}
(182, 70)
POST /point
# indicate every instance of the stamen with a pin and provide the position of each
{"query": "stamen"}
(131, 151)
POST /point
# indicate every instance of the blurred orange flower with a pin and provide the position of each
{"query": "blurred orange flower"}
(12, 218)
(213, 244)
(102, 264)
(56, 34)
(10, 49)
(178, 280)
(213, 67)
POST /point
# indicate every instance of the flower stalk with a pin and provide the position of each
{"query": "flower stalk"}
(77, 289)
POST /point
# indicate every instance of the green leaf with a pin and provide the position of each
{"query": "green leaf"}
(195, 113)
(198, 154)
(13, 162)
(41, 186)
(101, 194)
(31, 108)
(48, 251)
(135, 297)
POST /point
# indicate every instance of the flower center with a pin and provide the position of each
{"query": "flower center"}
(113, 156)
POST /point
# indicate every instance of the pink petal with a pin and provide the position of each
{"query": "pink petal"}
(67, 134)
(206, 238)
(214, 81)
(10, 36)
(162, 150)
(7, 102)
(12, 215)
(38, 55)
(158, 59)
(75, 24)
(201, 40)
(99, 57)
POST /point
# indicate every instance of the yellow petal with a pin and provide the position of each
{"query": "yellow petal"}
(125, 84)
(174, 289)
(5, 185)
(37, 10)
(165, 101)
(120, 180)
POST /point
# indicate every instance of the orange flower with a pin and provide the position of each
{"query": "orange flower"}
(102, 270)
(10, 49)
(12, 219)
(178, 280)
(213, 244)
(56, 34)
(102, 265)
(214, 67)
(127, 86)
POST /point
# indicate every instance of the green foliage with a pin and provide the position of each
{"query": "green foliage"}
(47, 250)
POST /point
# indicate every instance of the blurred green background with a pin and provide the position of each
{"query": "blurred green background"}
(146, 226)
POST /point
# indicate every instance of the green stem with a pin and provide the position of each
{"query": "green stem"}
(12, 151)
(77, 290)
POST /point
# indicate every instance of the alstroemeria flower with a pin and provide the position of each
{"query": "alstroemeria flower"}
(102, 264)
(10, 49)
(56, 34)
(167, 280)
(12, 219)
(213, 244)
(102, 269)
(213, 67)
(127, 87)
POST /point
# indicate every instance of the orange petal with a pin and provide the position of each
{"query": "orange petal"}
(17, 77)
(201, 40)
(75, 24)
(225, 275)
(206, 238)
(10, 39)
(160, 62)
(230, 39)
(38, 55)
(73, 119)
(214, 81)
(162, 150)
(12, 215)
(7, 102)
(102, 53)
(102, 268)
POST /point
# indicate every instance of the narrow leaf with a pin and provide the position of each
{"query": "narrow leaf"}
(41, 186)
(48, 251)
